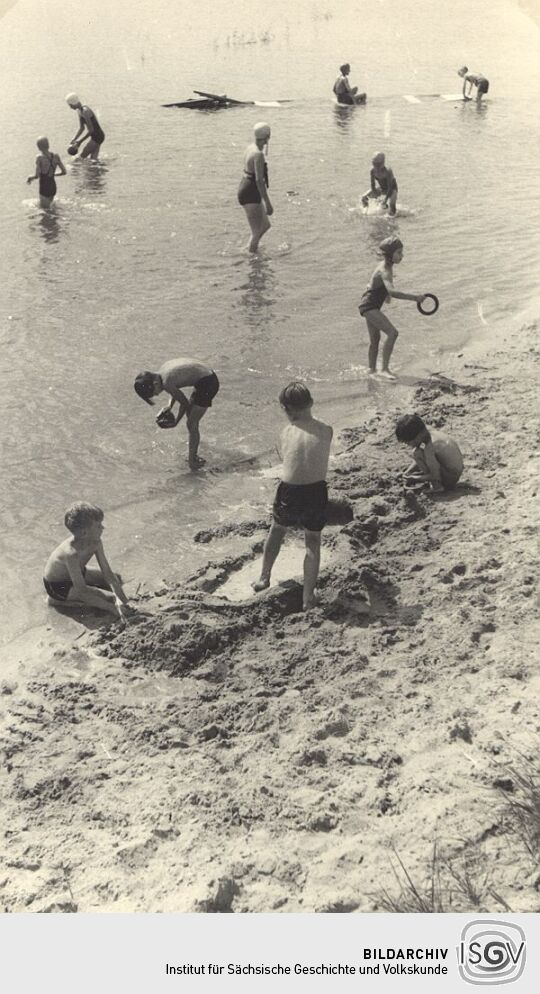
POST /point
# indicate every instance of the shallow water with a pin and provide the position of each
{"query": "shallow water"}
(142, 258)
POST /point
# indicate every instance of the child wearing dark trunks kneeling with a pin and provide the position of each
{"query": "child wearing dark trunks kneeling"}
(302, 495)
(437, 457)
(67, 579)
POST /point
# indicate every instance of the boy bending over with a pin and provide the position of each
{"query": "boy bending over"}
(302, 495)
(67, 579)
(437, 458)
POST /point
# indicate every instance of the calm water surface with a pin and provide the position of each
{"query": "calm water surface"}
(143, 257)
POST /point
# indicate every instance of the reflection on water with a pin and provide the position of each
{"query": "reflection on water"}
(259, 293)
(343, 115)
(89, 177)
(47, 223)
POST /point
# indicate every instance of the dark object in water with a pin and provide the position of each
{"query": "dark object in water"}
(166, 419)
(211, 101)
(434, 307)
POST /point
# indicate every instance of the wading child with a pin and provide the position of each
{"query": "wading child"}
(173, 377)
(302, 495)
(67, 579)
(383, 184)
(253, 190)
(437, 458)
(46, 165)
(380, 287)
(471, 79)
(94, 136)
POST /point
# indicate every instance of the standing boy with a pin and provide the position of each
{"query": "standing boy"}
(67, 579)
(437, 458)
(172, 377)
(87, 119)
(302, 495)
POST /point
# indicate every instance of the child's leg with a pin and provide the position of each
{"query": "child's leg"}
(270, 554)
(379, 322)
(392, 201)
(374, 339)
(259, 223)
(193, 419)
(311, 566)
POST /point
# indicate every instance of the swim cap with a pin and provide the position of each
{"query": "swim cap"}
(262, 130)
(390, 245)
(42, 143)
(72, 99)
(377, 158)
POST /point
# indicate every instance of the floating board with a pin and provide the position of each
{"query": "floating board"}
(412, 98)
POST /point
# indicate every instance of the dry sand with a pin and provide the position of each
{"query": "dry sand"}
(237, 755)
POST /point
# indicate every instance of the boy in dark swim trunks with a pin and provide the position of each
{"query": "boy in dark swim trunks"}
(87, 119)
(302, 496)
(473, 79)
(437, 458)
(67, 579)
(172, 377)
(383, 184)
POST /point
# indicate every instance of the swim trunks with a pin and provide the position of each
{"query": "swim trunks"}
(302, 504)
(375, 295)
(248, 191)
(482, 85)
(204, 391)
(59, 589)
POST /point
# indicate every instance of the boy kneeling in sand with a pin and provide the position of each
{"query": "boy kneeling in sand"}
(67, 580)
(437, 458)
(302, 495)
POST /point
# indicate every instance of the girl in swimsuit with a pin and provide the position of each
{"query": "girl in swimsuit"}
(379, 289)
(253, 189)
(46, 165)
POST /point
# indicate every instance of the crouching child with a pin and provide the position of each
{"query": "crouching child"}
(437, 457)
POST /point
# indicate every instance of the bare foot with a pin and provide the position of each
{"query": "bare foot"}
(261, 584)
(312, 602)
(387, 375)
(196, 463)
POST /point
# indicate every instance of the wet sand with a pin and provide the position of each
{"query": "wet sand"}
(237, 755)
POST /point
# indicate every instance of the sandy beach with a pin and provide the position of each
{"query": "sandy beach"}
(236, 755)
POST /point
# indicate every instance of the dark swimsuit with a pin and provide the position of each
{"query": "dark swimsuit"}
(375, 295)
(302, 504)
(248, 191)
(94, 129)
(47, 184)
(205, 390)
(59, 589)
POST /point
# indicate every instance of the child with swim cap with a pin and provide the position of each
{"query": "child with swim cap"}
(67, 579)
(379, 289)
(437, 457)
(253, 189)
(383, 184)
(46, 165)
(301, 497)
(87, 119)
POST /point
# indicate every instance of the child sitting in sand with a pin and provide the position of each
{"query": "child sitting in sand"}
(437, 458)
(383, 184)
(68, 581)
(302, 495)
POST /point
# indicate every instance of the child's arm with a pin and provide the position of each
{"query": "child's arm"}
(373, 181)
(36, 174)
(418, 297)
(108, 574)
(433, 467)
(391, 186)
(177, 397)
(61, 166)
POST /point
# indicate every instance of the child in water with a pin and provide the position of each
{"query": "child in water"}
(302, 496)
(437, 458)
(471, 79)
(67, 579)
(383, 184)
(380, 287)
(46, 165)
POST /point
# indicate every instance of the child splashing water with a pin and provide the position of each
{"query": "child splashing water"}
(379, 289)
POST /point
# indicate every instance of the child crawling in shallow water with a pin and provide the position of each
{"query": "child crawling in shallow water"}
(302, 496)
(67, 579)
(437, 458)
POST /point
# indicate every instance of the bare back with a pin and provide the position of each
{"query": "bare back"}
(447, 451)
(305, 448)
(178, 373)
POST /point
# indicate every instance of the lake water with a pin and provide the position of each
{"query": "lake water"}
(143, 259)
